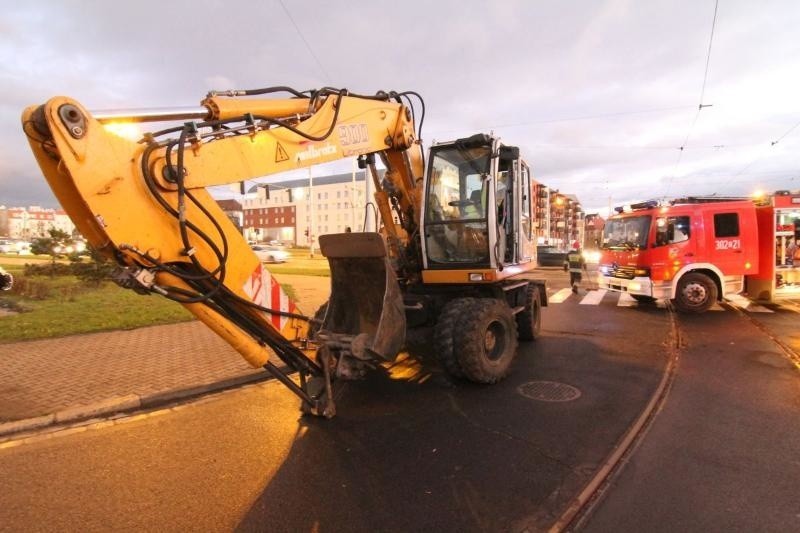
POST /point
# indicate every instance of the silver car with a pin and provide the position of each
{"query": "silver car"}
(8, 247)
(270, 254)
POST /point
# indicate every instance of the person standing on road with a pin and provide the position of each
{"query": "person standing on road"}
(577, 266)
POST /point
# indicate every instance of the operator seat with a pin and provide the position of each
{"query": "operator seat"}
(475, 208)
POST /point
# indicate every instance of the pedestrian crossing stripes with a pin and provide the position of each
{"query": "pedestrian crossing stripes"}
(622, 299)
(593, 297)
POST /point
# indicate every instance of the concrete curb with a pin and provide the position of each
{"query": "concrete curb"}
(121, 404)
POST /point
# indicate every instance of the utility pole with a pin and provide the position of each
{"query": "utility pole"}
(353, 196)
(367, 195)
(311, 231)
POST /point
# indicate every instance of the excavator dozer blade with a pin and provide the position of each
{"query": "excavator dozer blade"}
(365, 297)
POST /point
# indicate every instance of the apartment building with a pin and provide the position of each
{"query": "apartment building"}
(298, 211)
(32, 222)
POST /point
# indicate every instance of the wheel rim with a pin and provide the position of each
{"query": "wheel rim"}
(494, 340)
(695, 293)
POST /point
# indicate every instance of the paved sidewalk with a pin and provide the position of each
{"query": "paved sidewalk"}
(55, 380)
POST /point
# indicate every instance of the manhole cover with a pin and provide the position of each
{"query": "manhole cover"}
(549, 391)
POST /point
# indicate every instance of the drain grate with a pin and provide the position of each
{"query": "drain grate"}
(549, 391)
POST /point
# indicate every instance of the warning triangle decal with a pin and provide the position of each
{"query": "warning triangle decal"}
(280, 154)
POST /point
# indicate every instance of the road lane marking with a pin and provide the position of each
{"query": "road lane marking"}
(744, 303)
(626, 300)
(593, 297)
(560, 296)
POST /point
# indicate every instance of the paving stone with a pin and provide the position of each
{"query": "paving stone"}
(48, 376)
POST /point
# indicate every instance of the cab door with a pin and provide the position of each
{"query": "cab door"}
(727, 233)
(675, 243)
(523, 223)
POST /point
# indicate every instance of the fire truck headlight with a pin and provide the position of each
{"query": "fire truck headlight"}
(591, 256)
(635, 286)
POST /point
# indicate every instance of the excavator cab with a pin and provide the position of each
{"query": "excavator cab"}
(477, 208)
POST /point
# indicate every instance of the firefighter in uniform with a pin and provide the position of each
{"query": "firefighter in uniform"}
(577, 265)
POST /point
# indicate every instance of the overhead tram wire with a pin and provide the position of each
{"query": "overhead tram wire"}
(700, 106)
(764, 150)
(779, 139)
(308, 46)
(567, 119)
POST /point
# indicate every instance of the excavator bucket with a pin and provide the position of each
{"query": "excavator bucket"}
(365, 300)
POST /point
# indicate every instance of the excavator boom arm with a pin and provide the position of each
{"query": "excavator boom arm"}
(144, 204)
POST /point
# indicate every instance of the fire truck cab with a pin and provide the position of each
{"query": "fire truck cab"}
(691, 251)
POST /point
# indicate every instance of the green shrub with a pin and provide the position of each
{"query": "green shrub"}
(47, 269)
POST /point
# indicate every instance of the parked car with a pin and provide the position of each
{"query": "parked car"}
(270, 254)
(551, 256)
(12, 246)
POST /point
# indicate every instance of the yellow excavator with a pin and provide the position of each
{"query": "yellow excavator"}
(455, 240)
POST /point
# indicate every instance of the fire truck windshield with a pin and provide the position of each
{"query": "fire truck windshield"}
(628, 233)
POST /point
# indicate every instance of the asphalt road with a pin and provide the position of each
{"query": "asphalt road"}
(723, 453)
(409, 450)
(413, 450)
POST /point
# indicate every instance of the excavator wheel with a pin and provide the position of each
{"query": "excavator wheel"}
(529, 321)
(443, 334)
(486, 343)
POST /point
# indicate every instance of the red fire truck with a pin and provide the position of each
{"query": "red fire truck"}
(695, 250)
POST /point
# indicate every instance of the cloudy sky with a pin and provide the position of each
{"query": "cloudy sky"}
(599, 95)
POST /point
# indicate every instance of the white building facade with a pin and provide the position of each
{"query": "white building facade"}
(33, 222)
(299, 211)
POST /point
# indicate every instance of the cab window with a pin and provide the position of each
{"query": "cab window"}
(726, 225)
(672, 230)
(456, 218)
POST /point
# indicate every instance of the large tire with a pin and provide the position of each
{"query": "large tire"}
(696, 293)
(486, 343)
(444, 334)
(529, 321)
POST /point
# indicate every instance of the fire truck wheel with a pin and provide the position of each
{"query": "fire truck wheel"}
(529, 321)
(696, 293)
(443, 334)
(487, 343)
